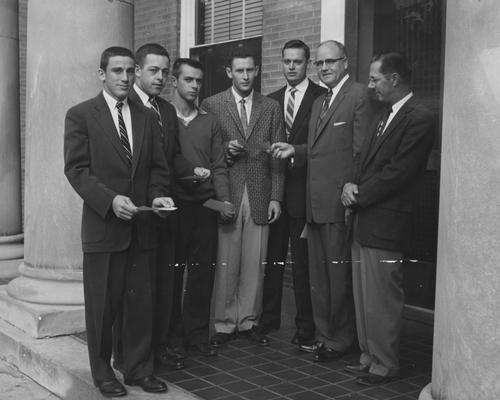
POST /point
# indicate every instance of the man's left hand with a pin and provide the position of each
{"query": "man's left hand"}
(274, 211)
(163, 202)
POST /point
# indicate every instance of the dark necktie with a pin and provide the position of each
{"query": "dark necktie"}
(290, 107)
(123, 133)
(156, 109)
(326, 105)
(243, 116)
(383, 121)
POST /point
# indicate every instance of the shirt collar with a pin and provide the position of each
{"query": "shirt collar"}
(339, 85)
(111, 101)
(237, 97)
(301, 87)
(142, 95)
(397, 106)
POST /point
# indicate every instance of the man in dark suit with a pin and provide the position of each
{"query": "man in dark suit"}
(151, 74)
(337, 128)
(250, 122)
(392, 161)
(113, 160)
(296, 99)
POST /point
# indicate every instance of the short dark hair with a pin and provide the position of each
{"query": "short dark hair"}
(150, 48)
(176, 69)
(297, 44)
(115, 51)
(241, 52)
(394, 62)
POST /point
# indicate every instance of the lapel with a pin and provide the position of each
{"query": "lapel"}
(138, 126)
(389, 131)
(233, 111)
(338, 99)
(105, 120)
(256, 110)
(304, 108)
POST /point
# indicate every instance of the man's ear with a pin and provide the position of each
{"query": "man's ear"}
(396, 79)
(256, 70)
(173, 80)
(137, 70)
(101, 74)
(229, 73)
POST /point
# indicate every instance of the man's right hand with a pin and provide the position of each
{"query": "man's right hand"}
(123, 207)
(349, 193)
(282, 150)
(235, 148)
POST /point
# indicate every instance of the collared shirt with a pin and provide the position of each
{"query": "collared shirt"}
(338, 86)
(186, 120)
(111, 101)
(299, 95)
(142, 95)
(395, 108)
(248, 103)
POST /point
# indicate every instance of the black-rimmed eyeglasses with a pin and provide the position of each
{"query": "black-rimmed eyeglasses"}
(329, 62)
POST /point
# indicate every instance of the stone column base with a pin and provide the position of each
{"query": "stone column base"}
(426, 393)
(40, 320)
(11, 255)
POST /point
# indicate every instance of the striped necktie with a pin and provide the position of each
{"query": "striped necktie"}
(326, 106)
(383, 121)
(123, 133)
(290, 107)
(243, 116)
(154, 106)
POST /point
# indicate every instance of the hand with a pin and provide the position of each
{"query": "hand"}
(228, 215)
(274, 211)
(123, 207)
(235, 148)
(349, 193)
(160, 202)
(282, 150)
(203, 173)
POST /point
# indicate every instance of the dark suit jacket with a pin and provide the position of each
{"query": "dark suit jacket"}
(331, 149)
(295, 178)
(96, 167)
(387, 175)
(263, 176)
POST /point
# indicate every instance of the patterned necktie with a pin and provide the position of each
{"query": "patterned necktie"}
(123, 133)
(383, 122)
(243, 116)
(326, 105)
(156, 109)
(290, 107)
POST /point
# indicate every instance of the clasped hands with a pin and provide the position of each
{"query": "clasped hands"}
(125, 209)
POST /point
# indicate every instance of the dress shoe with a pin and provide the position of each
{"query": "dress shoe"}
(203, 349)
(169, 363)
(357, 369)
(149, 384)
(310, 346)
(374, 380)
(299, 339)
(255, 335)
(326, 354)
(111, 388)
(220, 339)
(175, 352)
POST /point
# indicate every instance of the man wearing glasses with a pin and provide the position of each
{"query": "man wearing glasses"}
(337, 127)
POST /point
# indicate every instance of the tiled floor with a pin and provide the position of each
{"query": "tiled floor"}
(280, 371)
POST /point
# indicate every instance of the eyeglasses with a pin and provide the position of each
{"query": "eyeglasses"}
(329, 62)
(372, 80)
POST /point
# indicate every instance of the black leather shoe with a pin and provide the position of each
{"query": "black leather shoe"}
(169, 363)
(111, 388)
(220, 339)
(357, 369)
(326, 354)
(203, 349)
(175, 352)
(255, 335)
(149, 384)
(374, 380)
(299, 339)
(310, 346)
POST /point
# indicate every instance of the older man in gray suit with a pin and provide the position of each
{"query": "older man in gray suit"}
(250, 123)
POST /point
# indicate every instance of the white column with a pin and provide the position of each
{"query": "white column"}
(65, 41)
(467, 318)
(11, 237)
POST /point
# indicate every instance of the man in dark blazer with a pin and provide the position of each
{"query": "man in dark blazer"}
(296, 99)
(337, 127)
(392, 161)
(113, 159)
(250, 122)
(151, 74)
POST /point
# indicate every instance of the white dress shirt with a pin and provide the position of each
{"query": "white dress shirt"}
(395, 108)
(299, 95)
(337, 87)
(111, 101)
(248, 103)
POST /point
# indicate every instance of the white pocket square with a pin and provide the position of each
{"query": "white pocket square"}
(339, 123)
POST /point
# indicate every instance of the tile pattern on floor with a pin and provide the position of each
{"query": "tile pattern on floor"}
(246, 371)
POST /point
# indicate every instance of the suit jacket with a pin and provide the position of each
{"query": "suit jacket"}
(262, 175)
(387, 174)
(295, 178)
(331, 149)
(96, 167)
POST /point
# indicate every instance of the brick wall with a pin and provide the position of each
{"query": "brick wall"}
(284, 20)
(158, 21)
